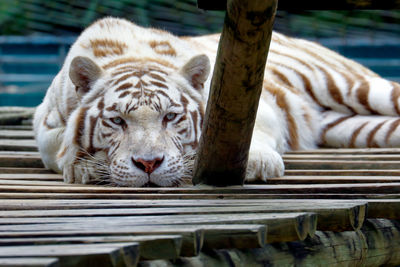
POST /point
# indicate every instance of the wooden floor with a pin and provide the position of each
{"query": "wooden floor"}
(336, 207)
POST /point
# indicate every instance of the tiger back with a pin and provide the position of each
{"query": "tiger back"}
(127, 107)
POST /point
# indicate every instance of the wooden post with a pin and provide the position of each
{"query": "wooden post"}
(235, 91)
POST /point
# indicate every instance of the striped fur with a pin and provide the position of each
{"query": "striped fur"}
(127, 107)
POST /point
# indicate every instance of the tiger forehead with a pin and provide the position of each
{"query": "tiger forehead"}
(131, 72)
(130, 101)
(134, 93)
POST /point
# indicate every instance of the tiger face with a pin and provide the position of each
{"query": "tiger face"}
(139, 122)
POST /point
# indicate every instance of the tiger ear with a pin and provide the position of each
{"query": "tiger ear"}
(196, 71)
(83, 73)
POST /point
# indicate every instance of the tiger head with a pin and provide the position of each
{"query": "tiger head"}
(139, 120)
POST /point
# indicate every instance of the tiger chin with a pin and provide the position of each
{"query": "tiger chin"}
(127, 107)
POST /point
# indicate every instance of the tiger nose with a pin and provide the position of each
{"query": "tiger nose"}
(148, 166)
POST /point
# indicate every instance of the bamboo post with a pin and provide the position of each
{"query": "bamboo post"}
(234, 94)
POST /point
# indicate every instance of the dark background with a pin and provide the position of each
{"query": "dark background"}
(36, 34)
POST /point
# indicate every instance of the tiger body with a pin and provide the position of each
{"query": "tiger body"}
(128, 104)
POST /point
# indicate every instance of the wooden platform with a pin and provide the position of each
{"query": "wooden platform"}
(337, 207)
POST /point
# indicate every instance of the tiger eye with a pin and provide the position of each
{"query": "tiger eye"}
(118, 121)
(170, 116)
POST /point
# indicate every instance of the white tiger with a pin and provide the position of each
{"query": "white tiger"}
(127, 107)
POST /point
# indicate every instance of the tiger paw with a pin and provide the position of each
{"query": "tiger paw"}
(75, 174)
(264, 164)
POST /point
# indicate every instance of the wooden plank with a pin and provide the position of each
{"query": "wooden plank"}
(331, 216)
(281, 226)
(32, 204)
(352, 157)
(110, 254)
(18, 145)
(16, 134)
(375, 245)
(344, 151)
(192, 235)
(235, 236)
(29, 161)
(378, 208)
(235, 91)
(29, 262)
(292, 161)
(340, 164)
(25, 170)
(150, 247)
(361, 188)
(241, 236)
(15, 110)
(180, 206)
(38, 182)
(33, 160)
(165, 196)
(360, 172)
(333, 179)
(30, 177)
(16, 127)
(325, 249)
(20, 153)
(15, 118)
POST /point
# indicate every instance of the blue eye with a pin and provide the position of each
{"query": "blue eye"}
(170, 116)
(118, 121)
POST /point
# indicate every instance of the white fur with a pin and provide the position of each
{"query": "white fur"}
(146, 138)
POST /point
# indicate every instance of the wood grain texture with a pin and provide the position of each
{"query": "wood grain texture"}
(234, 94)
(21, 161)
(16, 134)
(301, 218)
(192, 235)
(331, 216)
(19, 145)
(150, 247)
(29, 262)
(109, 254)
(376, 244)
(283, 226)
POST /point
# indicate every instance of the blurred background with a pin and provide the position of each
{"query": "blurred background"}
(35, 35)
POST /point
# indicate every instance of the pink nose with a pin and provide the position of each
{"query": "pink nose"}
(148, 166)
